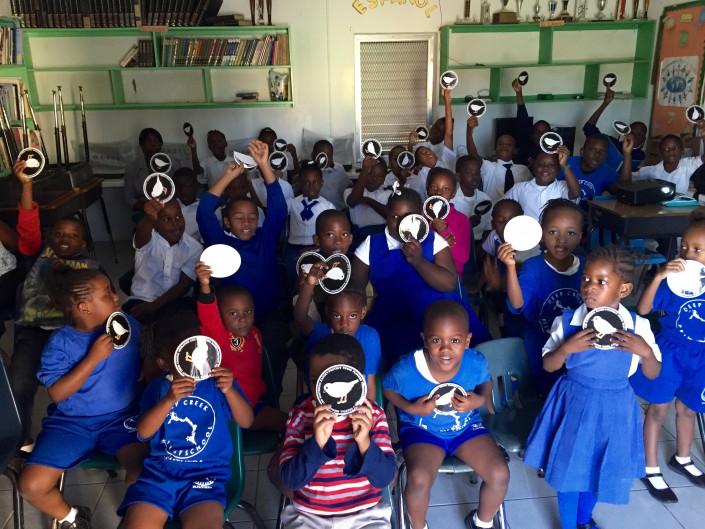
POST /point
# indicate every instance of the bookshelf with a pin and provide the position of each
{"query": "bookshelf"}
(91, 57)
(574, 57)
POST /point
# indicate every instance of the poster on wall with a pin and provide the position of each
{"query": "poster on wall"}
(678, 81)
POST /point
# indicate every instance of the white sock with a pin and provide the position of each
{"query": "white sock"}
(479, 523)
(657, 482)
(686, 461)
(71, 516)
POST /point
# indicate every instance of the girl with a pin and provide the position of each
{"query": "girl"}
(455, 228)
(683, 373)
(93, 388)
(588, 436)
(407, 278)
(548, 283)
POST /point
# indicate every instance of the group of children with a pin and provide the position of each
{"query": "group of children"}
(173, 434)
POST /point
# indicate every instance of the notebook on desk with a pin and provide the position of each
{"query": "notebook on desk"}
(680, 200)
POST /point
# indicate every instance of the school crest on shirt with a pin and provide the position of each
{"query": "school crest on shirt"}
(189, 426)
(556, 302)
(691, 320)
(587, 189)
(130, 423)
(237, 343)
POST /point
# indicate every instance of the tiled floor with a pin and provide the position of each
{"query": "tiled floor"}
(530, 503)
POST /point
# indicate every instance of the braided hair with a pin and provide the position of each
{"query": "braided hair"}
(621, 260)
(556, 204)
(68, 287)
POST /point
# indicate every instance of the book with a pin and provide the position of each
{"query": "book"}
(129, 57)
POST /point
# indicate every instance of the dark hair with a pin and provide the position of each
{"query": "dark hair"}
(344, 345)
(557, 204)
(185, 171)
(597, 137)
(68, 286)
(405, 194)
(72, 220)
(215, 132)
(445, 309)
(621, 260)
(322, 143)
(310, 166)
(383, 162)
(234, 201)
(349, 291)
(508, 136)
(508, 202)
(541, 122)
(639, 124)
(697, 221)
(161, 339)
(327, 215)
(149, 131)
(267, 130)
(673, 137)
(436, 171)
(230, 291)
(460, 162)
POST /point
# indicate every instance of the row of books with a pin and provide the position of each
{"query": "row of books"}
(268, 50)
(10, 99)
(176, 12)
(75, 13)
(11, 46)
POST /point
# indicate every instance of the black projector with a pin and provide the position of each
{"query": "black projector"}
(645, 192)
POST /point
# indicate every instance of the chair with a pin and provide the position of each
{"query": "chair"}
(10, 441)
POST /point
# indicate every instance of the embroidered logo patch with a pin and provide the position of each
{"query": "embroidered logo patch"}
(236, 343)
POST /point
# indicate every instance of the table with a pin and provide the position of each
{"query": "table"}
(665, 224)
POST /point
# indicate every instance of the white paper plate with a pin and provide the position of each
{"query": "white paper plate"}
(523, 233)
(245, 159)
(689, 283)
(224, 260)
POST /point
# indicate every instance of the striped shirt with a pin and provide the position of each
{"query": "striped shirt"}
(335, 480)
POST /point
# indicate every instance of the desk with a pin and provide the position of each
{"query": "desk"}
(665, 224)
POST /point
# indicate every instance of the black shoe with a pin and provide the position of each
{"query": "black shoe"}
(590, 525)
(82, 521)
(673, 464)
(470, 520)
(663, 495)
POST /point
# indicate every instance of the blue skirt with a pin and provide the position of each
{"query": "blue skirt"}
(588, 438)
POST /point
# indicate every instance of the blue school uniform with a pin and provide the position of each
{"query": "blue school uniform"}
(591, 184)
(547, 293)
(189, 456)
(682, 341)
(366, 335)
(588, 437)
(615, 151)
(402, 299)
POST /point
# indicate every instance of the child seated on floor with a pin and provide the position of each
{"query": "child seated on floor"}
(368, 199)
(324, 452)
(430, 431)
(213, 167)
(186, 188)
(404, 176)
(94, 388)
(470, 200)
(594, 176)
(335, 180)
(186, 423)
(228, 317)
(165, 258)
(499, 176)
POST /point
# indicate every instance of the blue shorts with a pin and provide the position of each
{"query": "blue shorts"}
(176, 488)
(682, 375)
(410, 435)
(66, 441)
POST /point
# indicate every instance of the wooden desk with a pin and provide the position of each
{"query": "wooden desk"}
(665, 224)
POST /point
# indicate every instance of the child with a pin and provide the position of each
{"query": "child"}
(229, 319)
(368, 199)
(470, 200)
(335, 180)
(427, 436)
(673, 167)
(267, 136)
(165, 258)
(548, 284)
(336, 466)
(407, 276)
(94, 390)
(186, 186)
(544, 187)
(404, 176)
(681, 342)
(500, 176)
(588, 436)
(186, 424)
(594, 176)
(440, 140)
(528, 136)
(213, 167)
(455, 228)
(240, 187)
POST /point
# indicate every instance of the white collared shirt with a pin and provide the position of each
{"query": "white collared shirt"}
(533, 197)
(301, 231)
(213, 170)
(363, 215)
(363, 251)
(680, 175)
(493, 174)
(413, 181)
(189, 214)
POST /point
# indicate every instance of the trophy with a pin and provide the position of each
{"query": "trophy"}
(635, 9)
(564, 15)
(552, 5)
(581, 10)
(537, 10)
(466, 14)
(485, 12)
(504, 16)
(601, 4)
(519, 4)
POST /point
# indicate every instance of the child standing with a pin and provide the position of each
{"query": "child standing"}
(368, 199)
(351, 456)
(335, 180)
(427, 436)
(548, 284)
(683, 371)
(469, 199)
(186, 190)
(186, 424)
(588, 436)
(94, 390)
(213, 167)
(404, 176)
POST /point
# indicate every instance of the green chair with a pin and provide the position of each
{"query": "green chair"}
(262, 442)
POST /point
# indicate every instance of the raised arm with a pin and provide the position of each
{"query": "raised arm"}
(231, 173)
(472, 124)
(260, 152)
(301, 317)
(448, 136)
(590, 126)
(356, 195)
(195, 163)
(506, 253)
(143, 231)
(571, 180)
(625, 175)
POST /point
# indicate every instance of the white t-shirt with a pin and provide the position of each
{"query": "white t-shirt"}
(363, 215)
(533, 197)
(301, 231)
(363, 251)
(493, 175)
(680, 176)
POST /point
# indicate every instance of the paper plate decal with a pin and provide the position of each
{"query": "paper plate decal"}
(604, 321)
(413, 226)
(523, 78)
(244, 159)
(280, 145)
(34, 160)
(406, 160)
(278, 161)
(621, 127)
(446, 392)
(695, 113)
(197, 356)
(118, 327)
(159, 186)
(160, 163)
(449, 79)
(338, 275)
(477, 108)
(690, 283)
(306, 260)
(223, 260)
(322, 160)
(483, 207)
(342, 388)
(436, 207)
(188, 129)
(372, 148)
(523, 233)
(422, 133)
(609, 80)
(550, 141)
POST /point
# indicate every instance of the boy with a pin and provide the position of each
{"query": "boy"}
(535, 194)
(240, 187)
(500, 176)
(594, 176)
(368, 199)
(470, 200)
(404, 176)
(352, 455)
(186, 188)
(214, 166)
(335, 180)
(440, 138)
(527, 136)
(429, 431)
(165, 259)
(268, 137)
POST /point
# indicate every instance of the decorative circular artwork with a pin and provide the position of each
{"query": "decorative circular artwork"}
(609, 80)
(188, 129)
(604, 321)
(422, 133)
(197, 356)
(118, 327)
(406, 160)
(34, 161)
(550, 141)
(222, 259)
(449, 79)
(523, 233)
(159, 186)
(372, 148)
(477, 107)
(306, 260)
(414, 226)
(280, 145)
(278, 161)
(342, 388)
(244, 159)
(690, 283)
(695, 113)
(436, 207)
(322, 160)
(160, 163)
(621, 127)
(482, 207)
(446, 392)
(523, 78)
(338, 274)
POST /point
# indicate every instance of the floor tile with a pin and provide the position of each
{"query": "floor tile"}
(524, 481)
(690, 509)
(535, 513)
(249, 495)
(641, 512)
(267, 504)
(104, 515)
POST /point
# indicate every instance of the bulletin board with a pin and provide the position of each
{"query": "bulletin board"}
(678, 68)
